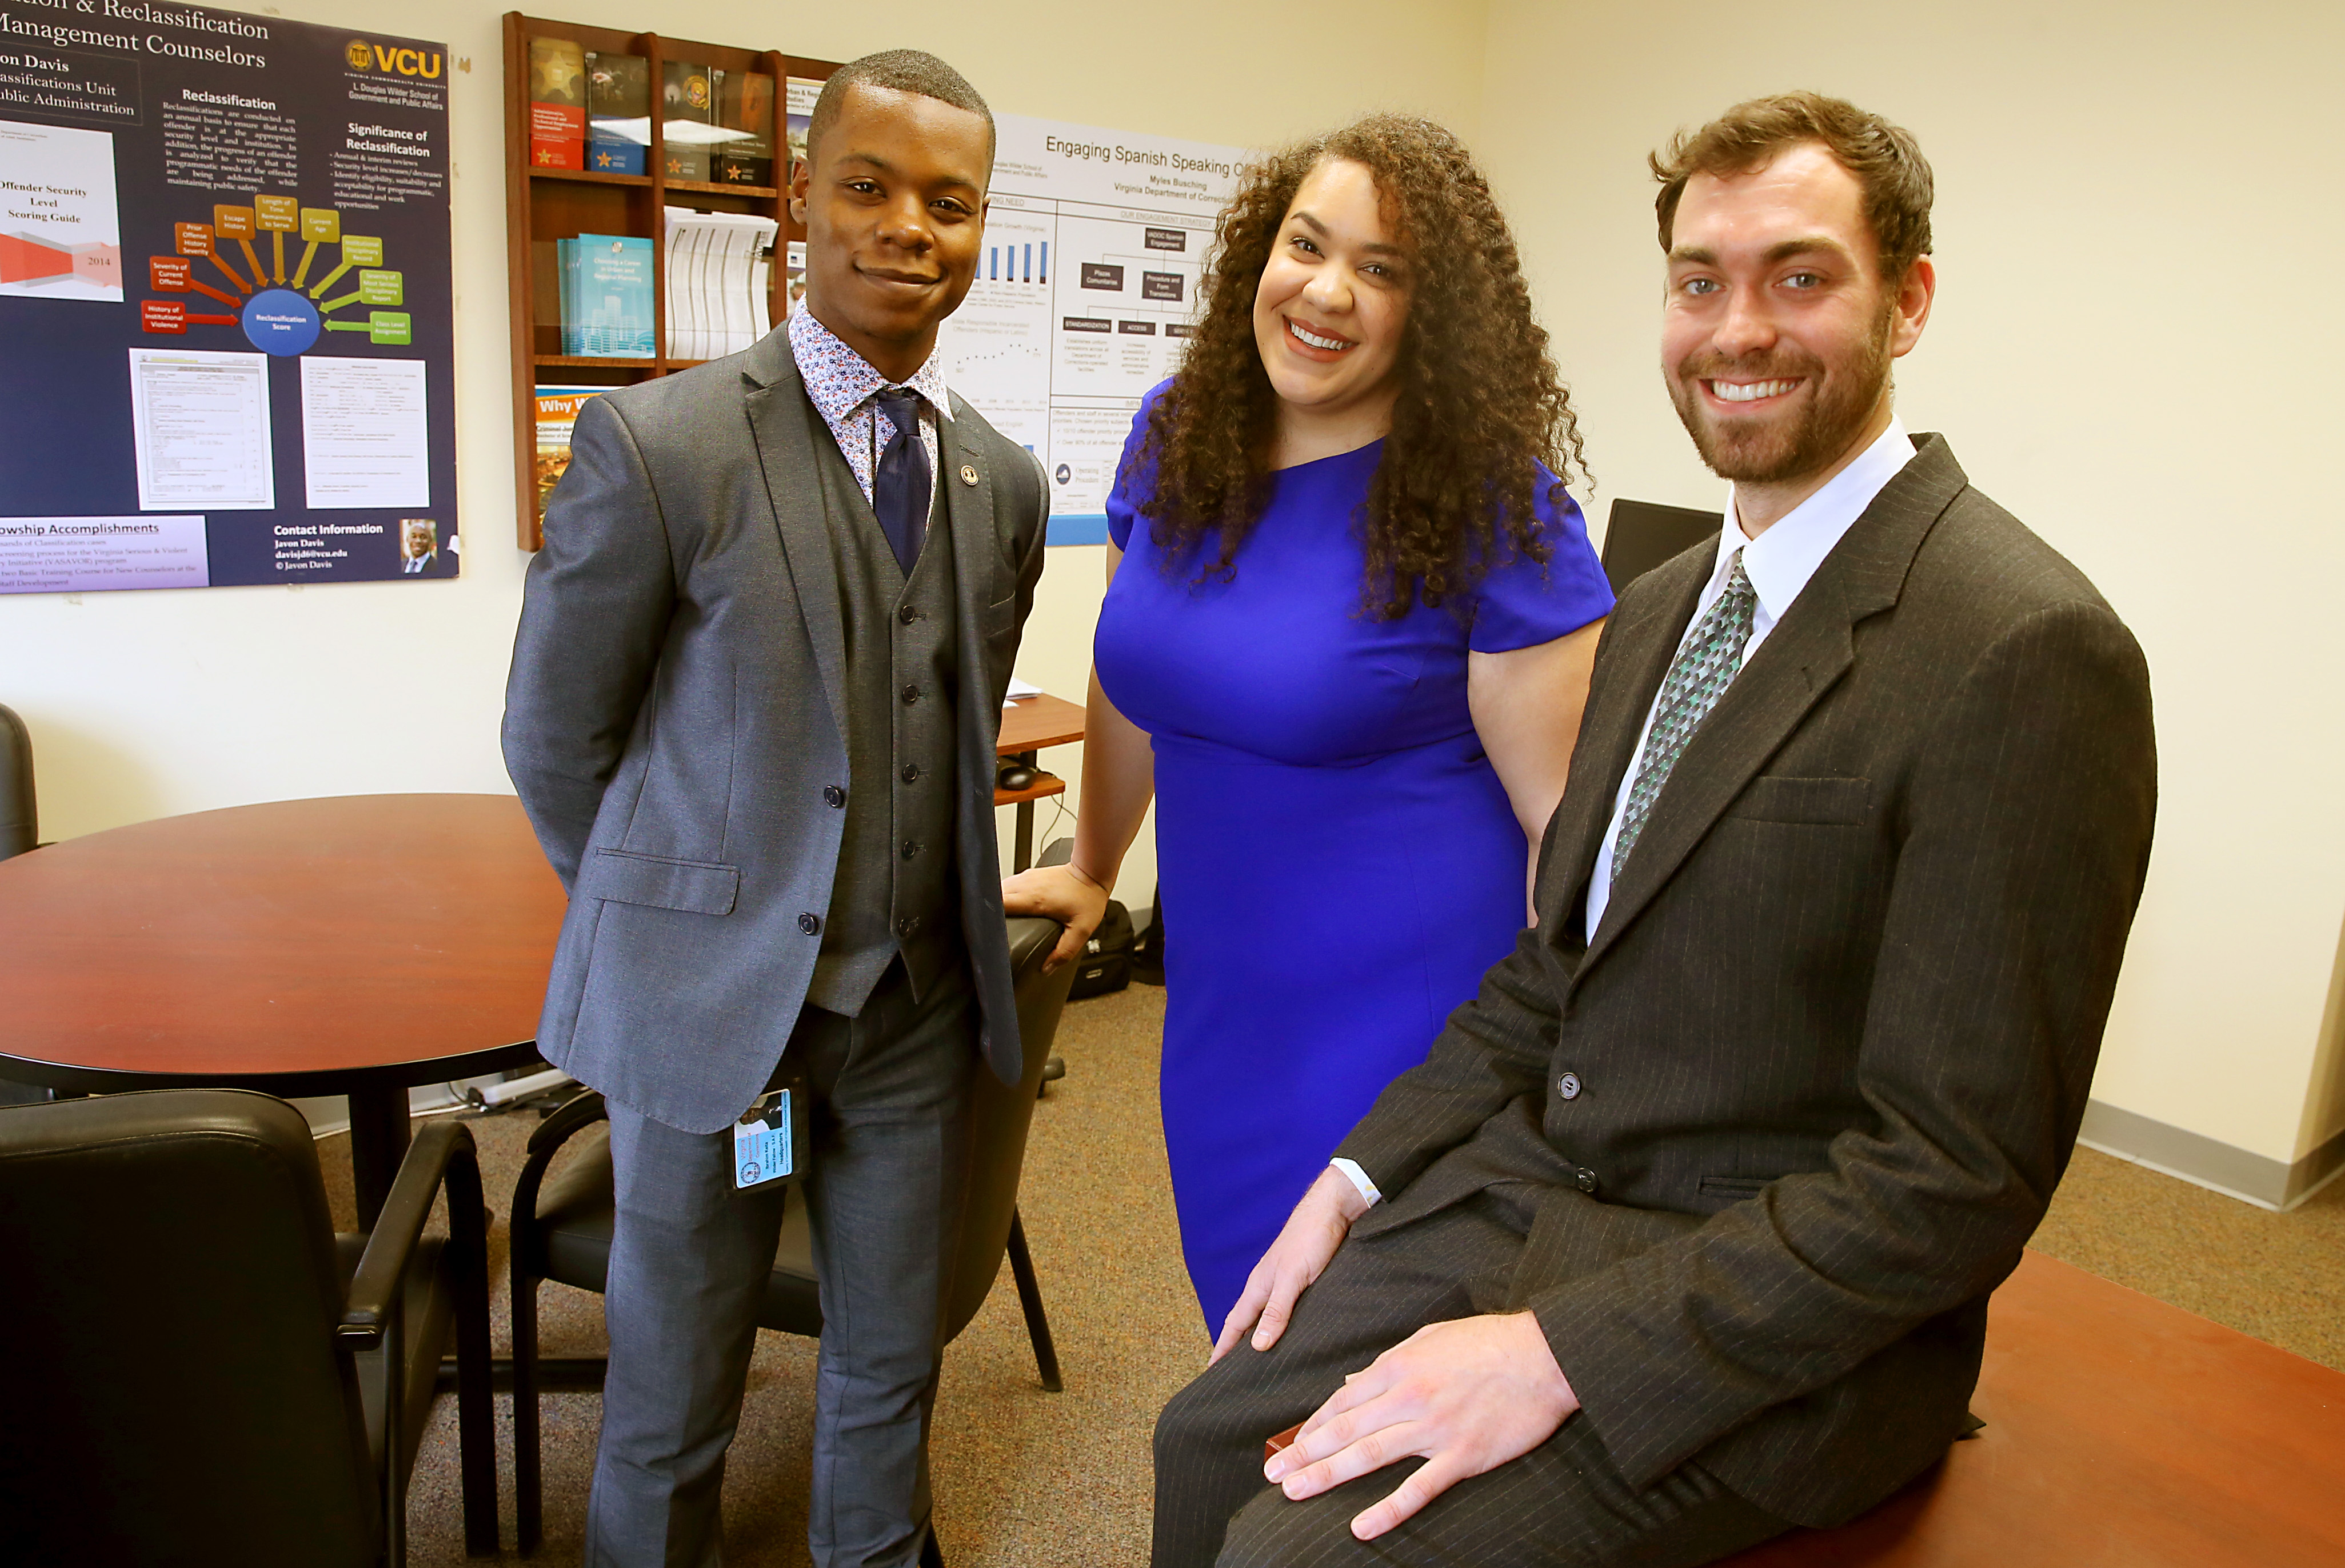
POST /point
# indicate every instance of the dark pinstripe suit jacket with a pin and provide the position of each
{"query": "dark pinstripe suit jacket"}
(1834, 1036)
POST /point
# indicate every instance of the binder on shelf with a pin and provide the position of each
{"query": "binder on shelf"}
(688, 110)
(618, 113)
(607, 301)
(557, 103)
(745, 106)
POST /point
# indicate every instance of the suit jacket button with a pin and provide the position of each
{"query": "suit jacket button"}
(1568, 1086)
(911, 774)
(834, 794)
(809, 924)
(967, 474)
(1585, 1180)
(911, 694)
(906, 614)
(912, 847)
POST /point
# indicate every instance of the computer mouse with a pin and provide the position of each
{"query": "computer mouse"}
(1014, 776)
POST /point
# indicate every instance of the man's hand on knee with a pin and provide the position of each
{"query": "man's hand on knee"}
(1467, 1395)
(1302, 1252)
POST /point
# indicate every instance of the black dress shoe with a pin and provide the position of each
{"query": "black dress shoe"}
(931, 1557)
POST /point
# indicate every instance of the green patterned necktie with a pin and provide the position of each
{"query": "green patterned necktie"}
(1703, 669)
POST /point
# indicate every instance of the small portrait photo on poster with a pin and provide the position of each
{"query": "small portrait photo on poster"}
(419, 543)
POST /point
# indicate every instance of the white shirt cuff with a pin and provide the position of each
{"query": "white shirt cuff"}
(1359, 1179)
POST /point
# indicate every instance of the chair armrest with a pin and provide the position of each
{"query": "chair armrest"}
(442, 1153)
(581, 1109)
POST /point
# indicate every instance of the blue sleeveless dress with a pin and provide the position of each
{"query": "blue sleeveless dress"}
(1338, 863)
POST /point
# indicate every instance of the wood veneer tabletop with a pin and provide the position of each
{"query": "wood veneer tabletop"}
(2120, 1431)
(364, 937)
(1033, 723)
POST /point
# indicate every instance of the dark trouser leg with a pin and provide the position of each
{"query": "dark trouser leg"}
(885, 1197)
(1561, 1506)
(1562, 1503)
(689, 1258)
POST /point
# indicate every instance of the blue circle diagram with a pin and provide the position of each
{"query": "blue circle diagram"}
(279, 321)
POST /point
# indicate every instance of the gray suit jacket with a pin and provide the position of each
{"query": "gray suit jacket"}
(1830, 1046)
(674, 717)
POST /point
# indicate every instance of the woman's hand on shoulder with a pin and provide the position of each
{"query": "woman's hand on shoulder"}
(1062, 894)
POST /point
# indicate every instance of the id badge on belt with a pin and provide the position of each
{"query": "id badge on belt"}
(770, 1142)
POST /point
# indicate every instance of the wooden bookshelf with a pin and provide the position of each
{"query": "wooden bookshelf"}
(546, 204)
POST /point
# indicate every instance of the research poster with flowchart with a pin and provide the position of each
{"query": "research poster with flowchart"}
(1086, 295)
(226, 301)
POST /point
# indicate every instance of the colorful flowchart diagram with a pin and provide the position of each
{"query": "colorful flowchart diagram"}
(280, 315)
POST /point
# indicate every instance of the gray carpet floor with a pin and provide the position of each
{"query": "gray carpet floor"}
(1026, 1479)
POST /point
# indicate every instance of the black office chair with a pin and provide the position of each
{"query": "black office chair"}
(1642, 534)
(20, 816)
(199, 1366)
(561, 1227)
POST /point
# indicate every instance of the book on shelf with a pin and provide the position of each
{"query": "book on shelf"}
(618, 113)
(799, 97)
(744, 105)
(719, 272)
(557, 103)
(606, 296)
(688, 112)
(557, 411)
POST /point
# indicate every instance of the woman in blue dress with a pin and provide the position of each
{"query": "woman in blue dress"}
(1347, 639)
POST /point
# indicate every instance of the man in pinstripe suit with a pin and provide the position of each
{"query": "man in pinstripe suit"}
(1683, 1232)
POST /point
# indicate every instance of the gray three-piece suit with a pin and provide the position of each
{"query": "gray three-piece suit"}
(760, 756)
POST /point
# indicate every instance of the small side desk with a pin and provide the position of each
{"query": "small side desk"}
(1028, 725)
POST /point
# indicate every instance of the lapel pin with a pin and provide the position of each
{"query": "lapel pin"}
(967, 474)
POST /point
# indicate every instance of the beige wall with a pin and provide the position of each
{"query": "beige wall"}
(2134, 212)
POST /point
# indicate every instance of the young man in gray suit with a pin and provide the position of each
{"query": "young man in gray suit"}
(1683, 1232)
(751, 713)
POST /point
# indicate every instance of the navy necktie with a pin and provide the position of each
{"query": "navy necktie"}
(899, 490)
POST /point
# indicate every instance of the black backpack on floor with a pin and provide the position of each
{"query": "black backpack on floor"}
(1106, 963)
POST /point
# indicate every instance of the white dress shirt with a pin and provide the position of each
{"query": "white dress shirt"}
(845, 389)
(1779, 564)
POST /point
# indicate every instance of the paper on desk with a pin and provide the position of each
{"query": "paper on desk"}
(1020, 689)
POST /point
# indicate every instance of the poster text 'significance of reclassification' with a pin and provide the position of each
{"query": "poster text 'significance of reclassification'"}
(226, 294)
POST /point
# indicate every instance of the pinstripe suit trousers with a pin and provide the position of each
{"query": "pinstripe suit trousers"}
(1561, 1506)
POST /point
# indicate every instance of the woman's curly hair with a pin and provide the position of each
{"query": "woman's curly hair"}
(1480, 404)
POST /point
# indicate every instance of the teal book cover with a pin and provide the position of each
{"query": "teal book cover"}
(610, 303)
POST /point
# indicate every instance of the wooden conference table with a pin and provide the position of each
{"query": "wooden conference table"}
(354, 946)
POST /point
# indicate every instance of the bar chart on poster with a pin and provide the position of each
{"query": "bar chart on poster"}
(226, 300)
(1085, 297)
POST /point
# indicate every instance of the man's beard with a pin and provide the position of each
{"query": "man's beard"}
(1749, 453)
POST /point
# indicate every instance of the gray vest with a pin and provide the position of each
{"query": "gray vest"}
(896, 889)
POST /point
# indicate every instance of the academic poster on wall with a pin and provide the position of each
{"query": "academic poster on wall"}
(226, 301)
(1086, 295)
